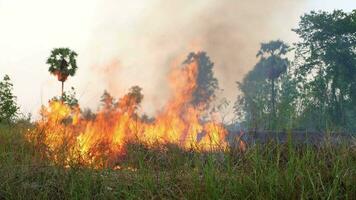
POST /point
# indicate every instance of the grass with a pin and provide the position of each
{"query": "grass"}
(268, 171)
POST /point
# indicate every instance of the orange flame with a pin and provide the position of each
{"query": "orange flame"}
(101, 141)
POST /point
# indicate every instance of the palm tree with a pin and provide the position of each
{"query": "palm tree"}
(62, 63)
(274, 64)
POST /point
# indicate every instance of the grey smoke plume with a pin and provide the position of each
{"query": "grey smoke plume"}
(143, 49)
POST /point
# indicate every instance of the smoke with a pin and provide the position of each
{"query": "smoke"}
(136, 44)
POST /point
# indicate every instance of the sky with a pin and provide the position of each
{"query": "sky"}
(123, 43)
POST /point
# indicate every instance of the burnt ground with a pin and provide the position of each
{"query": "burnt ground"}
(297, 137)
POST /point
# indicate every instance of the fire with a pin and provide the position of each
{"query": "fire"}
(101, 141)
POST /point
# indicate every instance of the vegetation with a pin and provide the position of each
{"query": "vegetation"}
(327, 51)
(269, 171)
(8, 105)
(130, 101)
(207, 84)
(316, 91)
(62, 63)
(259, 94)
(68, 98)
(309, 86)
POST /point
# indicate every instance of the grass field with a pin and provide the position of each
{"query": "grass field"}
(268, 171)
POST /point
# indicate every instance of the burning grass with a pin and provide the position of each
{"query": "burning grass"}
(66, 137)
(268, 171)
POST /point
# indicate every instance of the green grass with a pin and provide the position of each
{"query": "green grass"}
(270, 171)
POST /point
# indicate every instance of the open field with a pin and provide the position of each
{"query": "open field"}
(268, 171)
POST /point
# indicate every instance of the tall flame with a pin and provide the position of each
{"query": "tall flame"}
(102, 140)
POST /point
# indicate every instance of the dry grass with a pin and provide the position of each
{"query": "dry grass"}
(269, 171)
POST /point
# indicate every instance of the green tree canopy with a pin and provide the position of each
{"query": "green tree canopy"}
(68, 98)
(8, 105)
(326, 57)
(260, 87)
(62, 63)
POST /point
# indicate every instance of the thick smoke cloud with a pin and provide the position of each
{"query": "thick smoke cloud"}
(163, 32)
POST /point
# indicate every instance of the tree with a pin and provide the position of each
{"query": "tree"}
(252, 105)
(8, 105)
(129, 103)
(108, 102)
(287, 105)
(132, 100)
(274, 64)
(62, 62)
(327, 58)
(258, 102)
(206, 82)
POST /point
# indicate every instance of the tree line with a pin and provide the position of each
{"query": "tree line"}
(310, 85)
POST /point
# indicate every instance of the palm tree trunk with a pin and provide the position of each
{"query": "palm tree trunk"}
(62, 94)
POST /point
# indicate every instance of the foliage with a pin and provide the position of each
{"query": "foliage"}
(326, 57)
(272, 59)
(68, 98)
(265, 171)
(62, 63)
(262, 86)
(108, 102)
(130, 102)
(8, 105)
(252, 105)
(207, 84)
(287, 106)
(316, 91)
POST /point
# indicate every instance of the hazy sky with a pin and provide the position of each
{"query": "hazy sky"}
(121, 44)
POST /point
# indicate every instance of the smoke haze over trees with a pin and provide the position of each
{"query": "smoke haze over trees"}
(318, 91)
